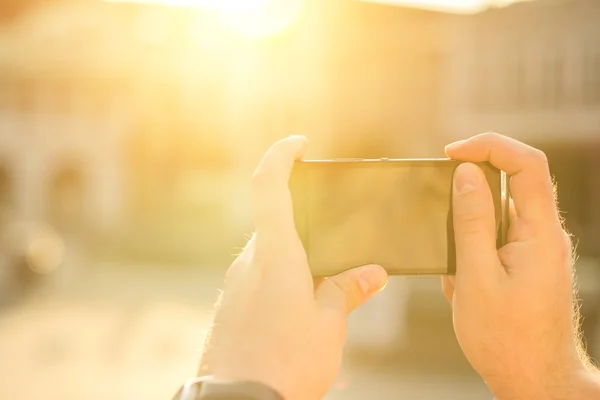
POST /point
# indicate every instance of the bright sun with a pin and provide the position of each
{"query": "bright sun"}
(257, 18)
(260, 18)
(253, 18)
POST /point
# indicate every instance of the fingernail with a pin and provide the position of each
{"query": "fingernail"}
(454, 145)
(466, 178)
(373, 279)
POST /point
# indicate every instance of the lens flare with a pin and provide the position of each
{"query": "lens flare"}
(265, 18)
(250, 18)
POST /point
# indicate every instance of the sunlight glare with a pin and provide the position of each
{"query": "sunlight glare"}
(265, 18)
(207, 4)
(251, 18)
(451, 6)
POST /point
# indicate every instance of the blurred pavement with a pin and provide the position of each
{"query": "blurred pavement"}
(135, 332)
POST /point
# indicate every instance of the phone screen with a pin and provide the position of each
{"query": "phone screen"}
(394, 213)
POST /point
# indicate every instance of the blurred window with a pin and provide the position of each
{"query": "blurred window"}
(516, 82)
(481, 84)
(591, 75)
(553, 81)
(558, 81)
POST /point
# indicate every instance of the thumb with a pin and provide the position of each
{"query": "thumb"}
(348, 290)
(474, 223)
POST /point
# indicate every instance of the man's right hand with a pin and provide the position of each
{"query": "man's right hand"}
(513, 308)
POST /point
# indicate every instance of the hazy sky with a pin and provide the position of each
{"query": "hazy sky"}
(449, 5)
(461, 6)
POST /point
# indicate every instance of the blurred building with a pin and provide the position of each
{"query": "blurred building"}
(143, 120)
(532, 71)
(107, 108)
(62, 119)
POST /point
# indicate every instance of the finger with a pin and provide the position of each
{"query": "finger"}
(272, 203)
(348, 290)
(448, 287)
(530, 182)
(474, 224)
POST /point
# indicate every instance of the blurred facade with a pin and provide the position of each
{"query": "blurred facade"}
(99, 125)
(64, 119)
(532, 71)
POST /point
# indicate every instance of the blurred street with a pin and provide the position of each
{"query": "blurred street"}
(123, 332)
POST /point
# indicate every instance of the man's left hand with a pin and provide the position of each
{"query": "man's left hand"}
(274, 324)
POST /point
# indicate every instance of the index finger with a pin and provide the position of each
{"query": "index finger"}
(271, 199)
(530, 181)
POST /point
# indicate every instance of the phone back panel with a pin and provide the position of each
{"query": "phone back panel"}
(395, 213)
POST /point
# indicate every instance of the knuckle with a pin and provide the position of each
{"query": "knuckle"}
(539, 156)
(349, 290)
(559, 244)
(490, 136)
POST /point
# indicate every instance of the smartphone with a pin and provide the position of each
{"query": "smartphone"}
(396, 213)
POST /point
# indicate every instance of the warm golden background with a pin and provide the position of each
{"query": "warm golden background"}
(128, 133)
